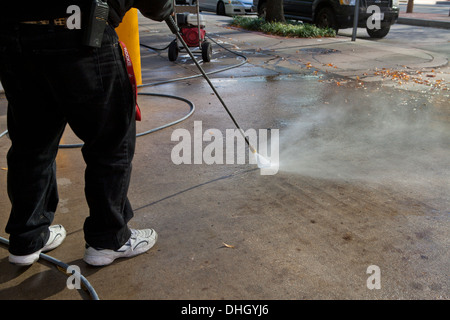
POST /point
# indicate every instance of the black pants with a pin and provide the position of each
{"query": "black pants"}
(51, 79)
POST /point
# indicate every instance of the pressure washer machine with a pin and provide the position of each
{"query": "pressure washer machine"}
(192, 28)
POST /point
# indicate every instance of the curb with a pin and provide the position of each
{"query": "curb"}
(424, 23)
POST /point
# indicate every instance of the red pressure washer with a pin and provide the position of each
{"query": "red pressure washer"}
(192, 29)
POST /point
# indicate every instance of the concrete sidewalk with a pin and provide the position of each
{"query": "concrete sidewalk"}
(363, 60)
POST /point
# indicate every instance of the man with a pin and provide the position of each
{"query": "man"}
(52, 78)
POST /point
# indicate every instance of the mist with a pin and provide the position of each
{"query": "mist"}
(382, 140)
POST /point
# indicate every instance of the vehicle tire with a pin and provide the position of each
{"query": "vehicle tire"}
(220, 10)
(173, 50)
(378, 33)
(325, 18)
(206, 51)
(262, 10)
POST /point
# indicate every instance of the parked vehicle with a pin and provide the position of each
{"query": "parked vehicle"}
(338, 14)
(227, 7)
(185, 2)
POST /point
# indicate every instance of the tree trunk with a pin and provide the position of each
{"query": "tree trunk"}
(274, 11)
(410, 6)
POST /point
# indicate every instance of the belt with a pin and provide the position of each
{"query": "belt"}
(56, 22)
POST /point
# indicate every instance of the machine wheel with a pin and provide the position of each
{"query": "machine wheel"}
(220, 11)
(206, 51)
(173, 50)
(378, 33)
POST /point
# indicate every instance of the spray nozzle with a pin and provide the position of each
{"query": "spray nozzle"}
(261, 161)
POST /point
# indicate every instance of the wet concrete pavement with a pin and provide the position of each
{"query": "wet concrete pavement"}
(363, 179)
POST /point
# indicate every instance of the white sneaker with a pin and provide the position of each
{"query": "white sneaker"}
(139, 242)
(57, 236)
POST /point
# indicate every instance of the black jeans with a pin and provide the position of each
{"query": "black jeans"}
(51, 79)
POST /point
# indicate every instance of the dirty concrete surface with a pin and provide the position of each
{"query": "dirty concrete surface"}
(363, 179)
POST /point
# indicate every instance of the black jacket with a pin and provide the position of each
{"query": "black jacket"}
(17, 11)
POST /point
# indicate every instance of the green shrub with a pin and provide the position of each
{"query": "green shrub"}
(287, 29)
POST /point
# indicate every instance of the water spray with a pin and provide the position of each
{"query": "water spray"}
(261, 161)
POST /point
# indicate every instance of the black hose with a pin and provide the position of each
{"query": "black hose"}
(64, 267)
(190, 103)
(191, 111)
(155, 49)
(200, 75)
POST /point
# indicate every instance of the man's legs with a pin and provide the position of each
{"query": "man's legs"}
(35, 127)
(89, 89)
(50, 78)
(109, 136)
(101, 111)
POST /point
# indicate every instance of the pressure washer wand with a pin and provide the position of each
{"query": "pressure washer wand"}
(176, 31)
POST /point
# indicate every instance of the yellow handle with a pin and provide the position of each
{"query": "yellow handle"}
(128, 32)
